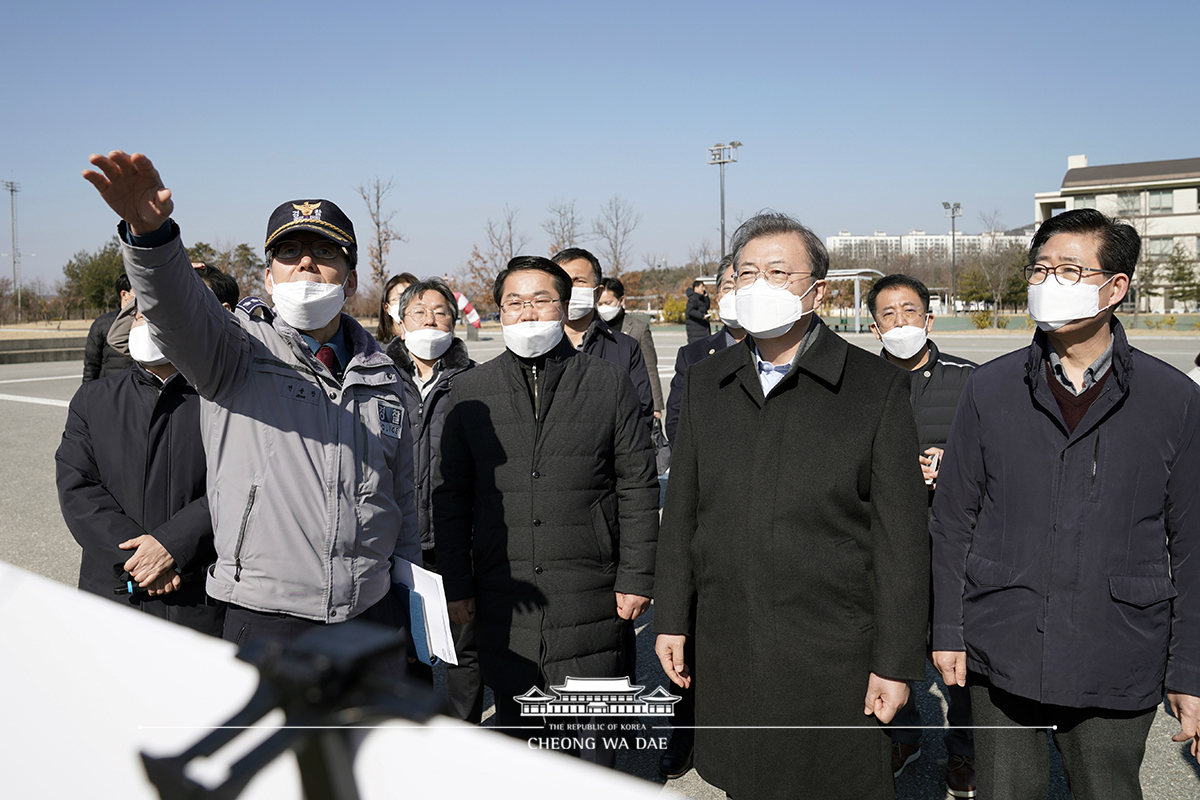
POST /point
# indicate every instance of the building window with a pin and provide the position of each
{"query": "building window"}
(1085, 201)
(1160, 248)
(1162, 202)
(1129, 204)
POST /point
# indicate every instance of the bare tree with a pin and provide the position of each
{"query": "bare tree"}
(997, 265)
(703, 257)
(373, 194)
(504, 241)
(613, 226)
(564, 225)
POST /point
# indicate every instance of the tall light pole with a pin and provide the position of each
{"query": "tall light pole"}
(953, 212)
(723, 154)
(12, 189)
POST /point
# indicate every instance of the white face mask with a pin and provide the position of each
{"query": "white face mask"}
(607, 313)
(1053, 305)
(534, 338)
(428, 343)
(393, 311)
(767, 311)
(582, 302)
(308, 305)
(904, 341)
(143, 349)
(727, 308)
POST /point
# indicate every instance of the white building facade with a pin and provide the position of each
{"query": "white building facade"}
(1159, 198)
(881, 246)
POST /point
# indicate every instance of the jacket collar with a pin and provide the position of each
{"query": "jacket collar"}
(825, 360)
(366, 358)
(598, 328)
(1037, 355)
(148, 378)
(1122, 357)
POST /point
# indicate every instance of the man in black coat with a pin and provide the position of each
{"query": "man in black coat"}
(132, 487)
(546, 506)
(798, 536)
(1066, 533)
(899, 306)
(99, 357)
(676, 759)
(696, 313)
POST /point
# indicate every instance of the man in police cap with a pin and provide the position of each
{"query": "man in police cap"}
(310, 474)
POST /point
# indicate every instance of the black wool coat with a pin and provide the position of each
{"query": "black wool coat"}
(427, 416)
(131, 462)
(686, 356)
(795, 525)
(543, 520)
(623, 351)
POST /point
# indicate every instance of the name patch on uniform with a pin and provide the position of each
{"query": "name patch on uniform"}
(390, 420)
(299, 390)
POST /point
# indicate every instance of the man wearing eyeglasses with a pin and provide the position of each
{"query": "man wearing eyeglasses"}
(1066, 533)
(546, 510)
(310, 458)
(794, 545)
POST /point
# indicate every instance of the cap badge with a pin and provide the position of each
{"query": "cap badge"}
(306, 211)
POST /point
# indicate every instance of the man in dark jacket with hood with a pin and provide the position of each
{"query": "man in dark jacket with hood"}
(899, 306)
(429, 357)
(1066, 533)
(546, 506)
(131, 484)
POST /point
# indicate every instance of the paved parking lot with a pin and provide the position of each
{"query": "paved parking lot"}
(33, 407)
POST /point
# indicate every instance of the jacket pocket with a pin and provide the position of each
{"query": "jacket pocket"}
(604, 525)
(237, 550)
(1141, 591)
(985, 572)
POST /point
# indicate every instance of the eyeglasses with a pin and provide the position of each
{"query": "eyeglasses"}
(421, 315)
(775, 277)
(514, 308)
(1066, 274)
(906, 316)
(292, 249)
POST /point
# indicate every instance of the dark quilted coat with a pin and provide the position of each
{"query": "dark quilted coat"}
(542, 520)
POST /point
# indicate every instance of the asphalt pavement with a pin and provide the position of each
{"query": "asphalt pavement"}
(33, 409)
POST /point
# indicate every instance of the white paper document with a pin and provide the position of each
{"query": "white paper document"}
(428, 585)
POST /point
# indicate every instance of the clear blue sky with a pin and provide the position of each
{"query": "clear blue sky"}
(853, 115)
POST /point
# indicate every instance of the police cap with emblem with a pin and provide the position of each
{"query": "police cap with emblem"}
(319, 216)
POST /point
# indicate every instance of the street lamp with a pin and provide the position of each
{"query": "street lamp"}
(723, 154)
(953, 212)
(12, 189)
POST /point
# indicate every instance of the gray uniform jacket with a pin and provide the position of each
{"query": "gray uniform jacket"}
(310, 482)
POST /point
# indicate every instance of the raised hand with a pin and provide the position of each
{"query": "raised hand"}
(132, 187)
